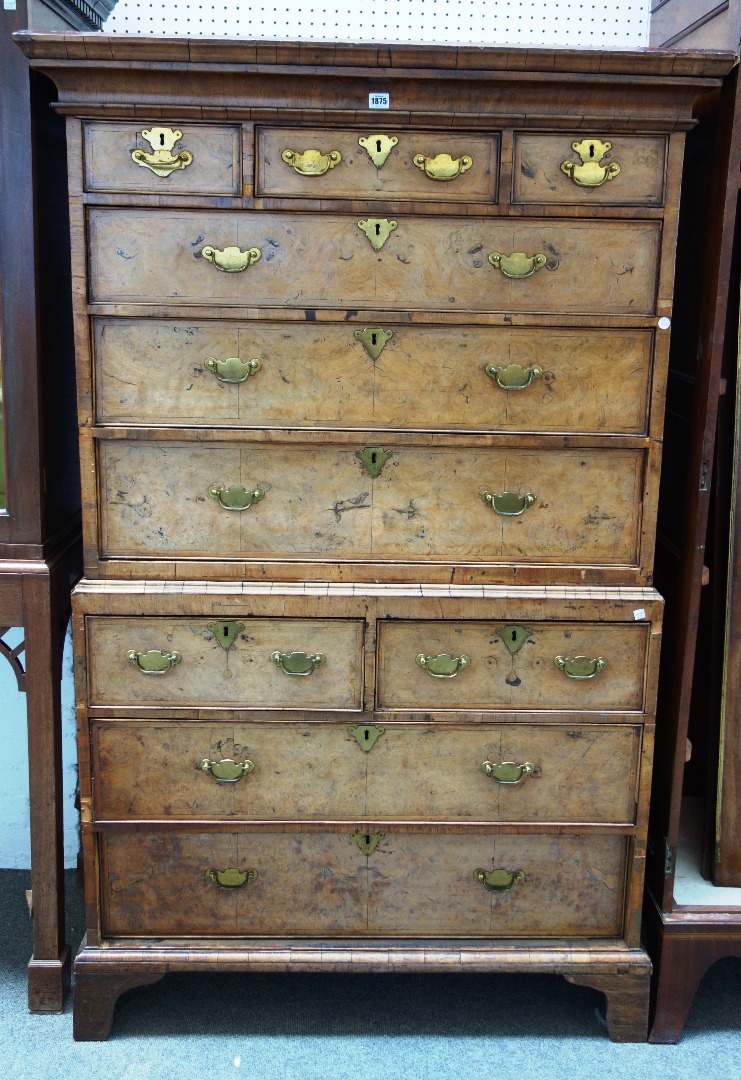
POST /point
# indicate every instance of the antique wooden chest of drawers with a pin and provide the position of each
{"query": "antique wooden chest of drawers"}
(370, 412)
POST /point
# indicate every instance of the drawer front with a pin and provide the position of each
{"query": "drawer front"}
(538, 176)
(311, 884)
(425, 502)
(321, 772)
(425, 378)
(203, 161)
(495, 678)
(203, 671)
(451, 165)
(327, 261)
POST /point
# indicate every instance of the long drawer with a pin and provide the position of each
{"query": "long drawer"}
(398, 772)
(328, 261)
(303, 375)
(309, 884)
(447, 503)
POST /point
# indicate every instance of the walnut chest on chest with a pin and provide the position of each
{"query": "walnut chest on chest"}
(371, 405)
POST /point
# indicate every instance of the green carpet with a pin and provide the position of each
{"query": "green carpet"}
(350, 1027)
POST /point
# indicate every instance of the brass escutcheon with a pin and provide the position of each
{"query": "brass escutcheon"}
(373, 458)
(297, 663)
(236, 497)
(233, 369)
(443, 666)
(499, 880)
(378, 147)
(514, 376)
(443, 166)
(580, 667)
(518, 264)
(367, 841)
(377, 230)
(226, 633)
(373, 340)
(227, 771)
(231, 877)
(162, 161)
(231, 260)
(366, 735)
(508, 503)
(514, 637)
(590, 173)
(311, 162)
(154, 662)
(507, 772)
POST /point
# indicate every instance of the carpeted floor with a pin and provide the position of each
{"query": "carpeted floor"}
(349, 1027)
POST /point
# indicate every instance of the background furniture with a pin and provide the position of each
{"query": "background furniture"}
(698, 663)
(275, 606)
(40, 556)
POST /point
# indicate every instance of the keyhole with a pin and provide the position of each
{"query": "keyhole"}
(591, 149)
(226, 631)
(378, 230)
(374, 458)
(373, 338)
(514, 635)
(162, 139)
(367, 734)
(367, 838)
(378, 146)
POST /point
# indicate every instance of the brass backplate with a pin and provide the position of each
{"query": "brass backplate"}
(366, 735)
(367, 841)
(514, 637)
(226, 633)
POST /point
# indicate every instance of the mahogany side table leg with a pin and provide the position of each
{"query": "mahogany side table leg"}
(49, 967)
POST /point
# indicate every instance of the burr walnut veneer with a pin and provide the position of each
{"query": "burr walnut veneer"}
(371, 407)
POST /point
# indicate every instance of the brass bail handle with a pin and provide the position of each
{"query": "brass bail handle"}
(154, 662)
(513, 376)
(231, 260)
(508, 772)
(297, 663)
(226, 771)
(442, 666)
(508, 503)
(580, 667)
(231, 877)
(235, 498)
(500, 880)
(233, 369)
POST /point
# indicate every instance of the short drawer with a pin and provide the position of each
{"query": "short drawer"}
(328, 261)
(200, 161)
(166, 884)
(544, 506)
(250, 663)
(335, 163)
(394, 375)
(401, 772)
(464, 665)
(592, 171)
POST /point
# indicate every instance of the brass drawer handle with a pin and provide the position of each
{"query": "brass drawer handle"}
(311, 162)
(154, 662)
(514, 376)
(231, 877)
(499, 880)
(590, 173)
(233, 369)
(297, 663)
(507, 772)
(518, 264)
(580, 667)
(236, 497)
(162, 161)
(443, 666)
(443, 166)
(231, 260)
(508, 503)
(227, 771)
